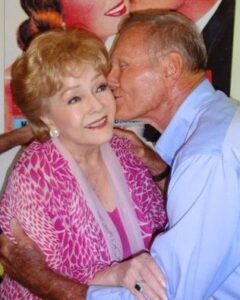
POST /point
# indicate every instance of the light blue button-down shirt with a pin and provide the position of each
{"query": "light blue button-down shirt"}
(200, 252)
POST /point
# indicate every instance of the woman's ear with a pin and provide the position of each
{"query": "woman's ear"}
(53, 131)
(45, 119)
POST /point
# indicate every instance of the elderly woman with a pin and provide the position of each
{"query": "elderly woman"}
(77, 191)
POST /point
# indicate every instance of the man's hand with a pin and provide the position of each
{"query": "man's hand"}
(144, 152)
(16, 137)
(25, 263)
(147, 155)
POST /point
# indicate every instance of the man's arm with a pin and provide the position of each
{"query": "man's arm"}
(37, 277)
(158, 168)
(25, 263)
(198, 252)
(16, 137)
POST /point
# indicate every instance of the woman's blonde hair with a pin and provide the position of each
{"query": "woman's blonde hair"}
(40, 71)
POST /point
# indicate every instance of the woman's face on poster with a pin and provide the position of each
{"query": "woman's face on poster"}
(101, 17)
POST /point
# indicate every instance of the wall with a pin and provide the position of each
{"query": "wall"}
(235, 87)
(9, 53)
(1, 64)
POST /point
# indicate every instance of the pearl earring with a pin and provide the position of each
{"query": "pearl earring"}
(54, 133)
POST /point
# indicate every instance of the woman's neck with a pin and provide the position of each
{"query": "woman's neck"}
(84, 155)
(87, 158)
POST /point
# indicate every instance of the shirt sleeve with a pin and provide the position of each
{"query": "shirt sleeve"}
(198, 251)
(106, 293)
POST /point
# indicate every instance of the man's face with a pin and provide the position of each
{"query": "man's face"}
(135, 77)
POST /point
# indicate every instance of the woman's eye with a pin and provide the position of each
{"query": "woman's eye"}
(74, 100)
(102, 87)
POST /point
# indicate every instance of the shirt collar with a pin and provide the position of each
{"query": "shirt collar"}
(176, 132)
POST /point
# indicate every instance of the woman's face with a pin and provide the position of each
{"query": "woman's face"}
(158, 4)
(83, 110)
(101, 17)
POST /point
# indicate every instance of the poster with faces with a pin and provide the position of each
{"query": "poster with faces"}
(103, 18)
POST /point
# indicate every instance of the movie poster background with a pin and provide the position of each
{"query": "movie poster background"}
(218, 40)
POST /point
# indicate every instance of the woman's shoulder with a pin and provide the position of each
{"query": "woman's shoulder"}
(123, 150)
(36, 154)
(38, 148)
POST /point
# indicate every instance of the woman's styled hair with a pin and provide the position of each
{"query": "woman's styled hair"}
(40, 71)
(169, 31)
(43, 15)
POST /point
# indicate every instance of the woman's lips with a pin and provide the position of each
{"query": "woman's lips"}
(117, 11)
(98, 124)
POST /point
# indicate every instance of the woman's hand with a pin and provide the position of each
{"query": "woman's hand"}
(140, 275)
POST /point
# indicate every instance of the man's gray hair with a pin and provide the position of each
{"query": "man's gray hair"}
(170, 31)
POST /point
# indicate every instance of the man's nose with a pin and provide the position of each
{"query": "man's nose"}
(113, 78)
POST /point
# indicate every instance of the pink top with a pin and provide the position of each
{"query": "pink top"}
(59, 210)
(115, 217)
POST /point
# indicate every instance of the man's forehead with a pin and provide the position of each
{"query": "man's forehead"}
(129, 55)
(129, 44)
(132, 34)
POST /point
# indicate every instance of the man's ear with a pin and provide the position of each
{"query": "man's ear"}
(172, 64)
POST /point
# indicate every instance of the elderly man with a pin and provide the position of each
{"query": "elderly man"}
(215, 19)
(158, 76)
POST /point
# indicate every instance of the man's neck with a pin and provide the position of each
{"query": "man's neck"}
(196, 9)
(161, 117)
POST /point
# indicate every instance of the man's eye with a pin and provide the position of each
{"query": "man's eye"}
(102, 88)
(74, 100)
(122, 66)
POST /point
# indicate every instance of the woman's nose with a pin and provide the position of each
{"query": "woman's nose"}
(96, 104)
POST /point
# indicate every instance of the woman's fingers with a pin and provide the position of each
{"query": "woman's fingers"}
(155, 272)
(144, 278)
(153, 286)
(153, 282)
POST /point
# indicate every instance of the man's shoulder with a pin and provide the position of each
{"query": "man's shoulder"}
(211, 132)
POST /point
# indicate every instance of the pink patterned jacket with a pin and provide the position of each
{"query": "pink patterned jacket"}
(44, 195)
